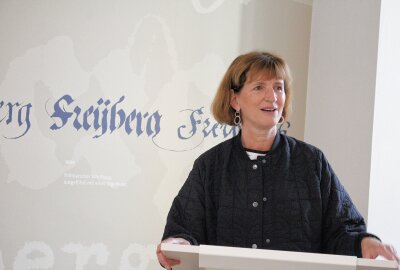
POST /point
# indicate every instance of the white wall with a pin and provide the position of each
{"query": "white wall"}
(384, 205)
(352, 103)
(282, 27)
(71, 201)
(341, 89)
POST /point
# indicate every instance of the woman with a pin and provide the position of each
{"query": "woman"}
(263, 189)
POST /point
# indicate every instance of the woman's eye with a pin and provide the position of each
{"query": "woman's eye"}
(278, 88)
(258, 87)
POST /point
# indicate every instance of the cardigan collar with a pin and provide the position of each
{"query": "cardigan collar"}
(238, 145)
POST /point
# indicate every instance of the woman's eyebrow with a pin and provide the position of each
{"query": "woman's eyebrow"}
(256, 83)
(261, 81)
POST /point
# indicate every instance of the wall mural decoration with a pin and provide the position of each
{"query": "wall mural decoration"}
(103, 109)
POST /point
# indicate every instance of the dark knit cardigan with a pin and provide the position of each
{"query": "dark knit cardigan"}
(290, 200)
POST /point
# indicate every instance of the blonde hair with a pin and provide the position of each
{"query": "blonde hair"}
(245, 67)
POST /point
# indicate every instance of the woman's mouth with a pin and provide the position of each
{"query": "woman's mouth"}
(268, 109)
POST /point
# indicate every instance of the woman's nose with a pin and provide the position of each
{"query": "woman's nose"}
(270, 94)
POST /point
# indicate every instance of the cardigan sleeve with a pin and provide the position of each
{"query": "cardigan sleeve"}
(343, 225)
(186, 218)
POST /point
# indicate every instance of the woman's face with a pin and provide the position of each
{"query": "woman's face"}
(260, 102)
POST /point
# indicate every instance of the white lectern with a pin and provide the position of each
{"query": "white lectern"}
(206, 257)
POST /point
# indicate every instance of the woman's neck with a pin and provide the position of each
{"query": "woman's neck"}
(258, 140)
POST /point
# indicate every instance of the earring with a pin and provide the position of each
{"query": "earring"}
(237, 120)
(281, 120)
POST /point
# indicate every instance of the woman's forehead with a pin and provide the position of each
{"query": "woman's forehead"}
(263, 75)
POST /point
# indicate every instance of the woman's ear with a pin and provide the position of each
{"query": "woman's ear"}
(234, 101)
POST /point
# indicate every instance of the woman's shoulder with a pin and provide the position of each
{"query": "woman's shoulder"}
(219, 149)
(297, 146)
(216, 152)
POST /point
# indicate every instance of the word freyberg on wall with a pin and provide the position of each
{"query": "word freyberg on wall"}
(106, 117)
(8, 113)
(207, 128)
(103, 120)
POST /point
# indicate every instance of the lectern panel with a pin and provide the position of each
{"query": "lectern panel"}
(206, 257)
(256, 259)
(188, 255)
(367, 264)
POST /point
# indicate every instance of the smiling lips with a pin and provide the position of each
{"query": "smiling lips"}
(268, 109)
